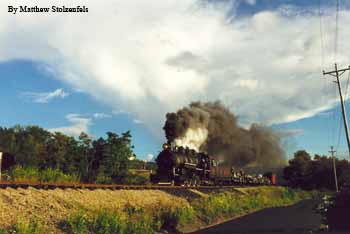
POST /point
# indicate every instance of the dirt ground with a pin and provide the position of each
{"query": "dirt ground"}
(52, 206)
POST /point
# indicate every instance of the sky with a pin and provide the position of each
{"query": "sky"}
(125, 64)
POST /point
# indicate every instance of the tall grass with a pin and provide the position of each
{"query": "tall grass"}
(229, 204)
(27, 227)
(129, 221)
(19, 173)
(55, 175)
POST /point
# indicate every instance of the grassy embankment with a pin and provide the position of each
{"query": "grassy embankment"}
(49, 175)
(103, 211)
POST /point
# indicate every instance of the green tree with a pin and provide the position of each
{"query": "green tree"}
(99, 150)
(299, 170)
(86, 157)
(56, 151)
(117, 151)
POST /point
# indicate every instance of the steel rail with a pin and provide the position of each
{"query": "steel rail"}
(47, 186)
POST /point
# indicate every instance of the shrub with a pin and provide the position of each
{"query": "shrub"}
(102, 179)
(141, 223)
(19, 173)
(76, 224)
(28, 227)
(107, 222)
(178, 216)
(130, 221)
(136, 180)
(228, 204)
(56, 175)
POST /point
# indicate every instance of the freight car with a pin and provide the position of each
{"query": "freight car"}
(184, 166)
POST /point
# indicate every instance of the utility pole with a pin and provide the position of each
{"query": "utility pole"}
(332, 151)
(0, 164)
(337, 73)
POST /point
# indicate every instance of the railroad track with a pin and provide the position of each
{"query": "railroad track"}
(42, 185)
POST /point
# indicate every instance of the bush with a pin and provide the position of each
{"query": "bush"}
(102, 179)
(55, 175)
(28, 227)
(136, 180)
(129, 221)
(19, 173)
(179, 216)
(107, 222)
(76, 224)
(229, 204)
(140, 222)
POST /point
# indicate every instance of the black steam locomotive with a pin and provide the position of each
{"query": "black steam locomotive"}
(184, 166)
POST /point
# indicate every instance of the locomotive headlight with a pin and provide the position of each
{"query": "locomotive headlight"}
(166, 146)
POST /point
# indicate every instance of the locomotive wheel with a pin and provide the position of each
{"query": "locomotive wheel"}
(197, 181)
(186, 183)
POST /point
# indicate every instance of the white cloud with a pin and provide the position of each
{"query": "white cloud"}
(119, 112)
(249, 84)
(325, 114)
(45, 97)
(149, 157)
(101, 116)
(290, 132)
(250, 2)
(137, 121)
(149, 62)
(78, 125)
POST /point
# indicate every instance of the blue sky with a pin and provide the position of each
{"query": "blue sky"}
(21, 77)
(56, 79)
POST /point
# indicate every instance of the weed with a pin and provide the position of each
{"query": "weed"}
(27, 227)
(107, 222)
(76, 224)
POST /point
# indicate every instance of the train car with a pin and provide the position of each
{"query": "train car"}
(183, 166)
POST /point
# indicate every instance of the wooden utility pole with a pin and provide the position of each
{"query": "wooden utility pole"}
(332, 151)
(337, 73)
(0, 164)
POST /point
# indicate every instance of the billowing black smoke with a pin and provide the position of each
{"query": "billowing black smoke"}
(212, 128)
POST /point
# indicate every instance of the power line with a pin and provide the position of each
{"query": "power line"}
(329, 127)
(336, 32)
(321, 32)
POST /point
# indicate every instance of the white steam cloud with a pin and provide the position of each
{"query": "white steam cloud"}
(193, 138)
(152, 57)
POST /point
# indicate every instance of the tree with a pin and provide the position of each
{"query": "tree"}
(99, 150)
(317, 173)
(86, 157)
(56, 151)
(33, 146)
(116, 155)
(299, 170)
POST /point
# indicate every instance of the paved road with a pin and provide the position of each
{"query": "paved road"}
(298, 219)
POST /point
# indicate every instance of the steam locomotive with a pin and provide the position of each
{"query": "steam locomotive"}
(184, 166)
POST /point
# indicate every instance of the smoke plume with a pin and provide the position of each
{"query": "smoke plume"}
(212, 128)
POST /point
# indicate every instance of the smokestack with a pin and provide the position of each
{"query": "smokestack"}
(212, 128)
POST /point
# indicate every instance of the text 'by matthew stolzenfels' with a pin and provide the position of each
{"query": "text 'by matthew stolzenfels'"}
(53, 9)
